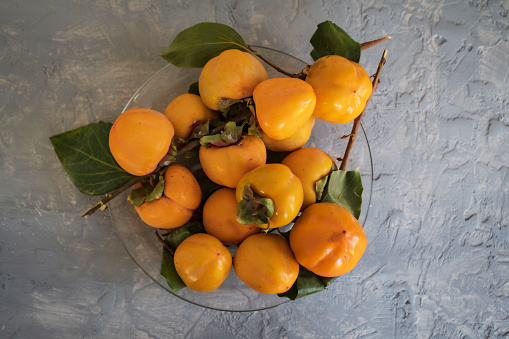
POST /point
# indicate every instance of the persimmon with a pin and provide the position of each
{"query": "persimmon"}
(187, 111)
(278, 183)
(266, 263)
(226, 165)
(231, 75)
(181, 186)
(310, 164)
(220, 218)
(327, 239)
(163, 213)
(283, 106)
(139, 139)
(342, 88)
(202, 262)
(293, 142)
(182, 195)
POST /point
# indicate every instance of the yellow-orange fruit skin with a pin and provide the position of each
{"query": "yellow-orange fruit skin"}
(293, 142)
(283, 106)
(202, 262)
(310, 164)
(231, 75)
(342, 88)
(139, 139)
(327, 240)
(181, 196)
(163, 213)
(276, 182)
(181, 186)
(266, 263)
(227, 165)
(220, 218)
(187, 111)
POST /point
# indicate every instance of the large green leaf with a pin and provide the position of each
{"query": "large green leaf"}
(344, 188)
(196, 45)
(169, 272)
(86, 157)
(330, 39)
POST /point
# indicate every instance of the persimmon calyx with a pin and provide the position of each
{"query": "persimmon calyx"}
(254, 208)
(230, 135)
(147, 192)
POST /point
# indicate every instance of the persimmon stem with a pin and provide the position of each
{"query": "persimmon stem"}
(357, 121)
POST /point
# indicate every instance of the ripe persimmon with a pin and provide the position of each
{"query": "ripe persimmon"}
(139, 139)
(327, 239)
(266, 263)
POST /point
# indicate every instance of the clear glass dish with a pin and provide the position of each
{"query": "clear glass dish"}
(140, 240)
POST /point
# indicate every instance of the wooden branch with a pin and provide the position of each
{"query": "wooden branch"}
(368, 44)
(357, 121)
(102, 204)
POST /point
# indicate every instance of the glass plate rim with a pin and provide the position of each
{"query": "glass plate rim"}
(133, 97)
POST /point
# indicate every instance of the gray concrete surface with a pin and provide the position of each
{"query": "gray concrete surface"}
(437, 263)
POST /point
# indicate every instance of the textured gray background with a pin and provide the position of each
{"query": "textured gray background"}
(437, 263)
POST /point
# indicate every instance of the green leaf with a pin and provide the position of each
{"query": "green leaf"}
(307, 283)
(194, 88)
(169, 272)
(229, 136)
(253, 208)
(180, 234)
(157, 191)
(196, 45)
(86, 157)
(327, 281)
(254, 128)
(345, 189)
(330, 39)
(138, 195)
(147, 192)
(320, 187)
(225, 104)
(237, 109)
(204, 129)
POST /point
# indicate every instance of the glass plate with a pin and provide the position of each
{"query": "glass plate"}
(139, 239)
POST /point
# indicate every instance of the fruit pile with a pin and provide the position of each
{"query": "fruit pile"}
(326, 238)
(229, 122)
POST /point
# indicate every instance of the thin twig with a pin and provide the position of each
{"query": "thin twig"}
(368, 44)
(357, 121)
(102, 204)
(282, 71)
(165, 244)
